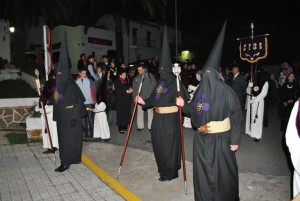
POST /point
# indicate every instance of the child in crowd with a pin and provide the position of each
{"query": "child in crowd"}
(101, 128)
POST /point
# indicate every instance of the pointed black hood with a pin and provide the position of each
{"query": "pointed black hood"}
(63, 77)
(215, 55)
(165, 69)
(64, 62)
(210, 87)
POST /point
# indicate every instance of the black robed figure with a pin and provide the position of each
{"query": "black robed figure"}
(67, 112)
(165, 129)
(216, 113)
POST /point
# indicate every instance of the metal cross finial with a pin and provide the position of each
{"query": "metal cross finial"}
(176, 69)
(252, 31)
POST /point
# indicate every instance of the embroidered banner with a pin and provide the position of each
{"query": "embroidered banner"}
(254, 49)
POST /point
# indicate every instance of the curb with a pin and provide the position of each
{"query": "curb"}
(109, 180)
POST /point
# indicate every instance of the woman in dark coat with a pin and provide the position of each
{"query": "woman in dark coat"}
(288, 96)
(123, 93)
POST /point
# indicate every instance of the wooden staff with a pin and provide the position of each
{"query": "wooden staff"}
(251, 80)
(176, 71)
(130, 126)
(37, 81)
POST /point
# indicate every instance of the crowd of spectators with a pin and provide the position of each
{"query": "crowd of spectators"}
(119, 92)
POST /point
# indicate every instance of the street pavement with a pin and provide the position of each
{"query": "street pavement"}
(27, 174)
(264, 173)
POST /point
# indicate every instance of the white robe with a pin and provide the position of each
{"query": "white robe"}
(293, 143)
(101, 128)
(52, 127)
(257, 108)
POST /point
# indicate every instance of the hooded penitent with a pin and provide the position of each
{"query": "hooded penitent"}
(166, 86)
(165, 126)
(210, 87)
(215, 167)
(68, 110)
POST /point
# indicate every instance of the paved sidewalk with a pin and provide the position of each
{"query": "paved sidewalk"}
(28, 174)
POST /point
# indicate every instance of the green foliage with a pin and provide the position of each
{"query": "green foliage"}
(16, 89)
(35, 114)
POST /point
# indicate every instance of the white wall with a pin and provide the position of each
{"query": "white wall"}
(18, 102)
(4, 41)
(99, 50)
(34, 34)
(141, 51)
(74, 40)
(78, 42)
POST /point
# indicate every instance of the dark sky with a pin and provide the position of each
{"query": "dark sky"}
(203, 20)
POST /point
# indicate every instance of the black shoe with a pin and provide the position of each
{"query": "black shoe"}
(149, 130)
(62, 168)
(162, 179)
(256, 140)
(139, 129)
(98, 139)
(106, 140)
(48, 151)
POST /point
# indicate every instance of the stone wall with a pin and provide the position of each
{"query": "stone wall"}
(13, 112)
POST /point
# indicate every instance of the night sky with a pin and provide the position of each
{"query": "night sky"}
(203, 20)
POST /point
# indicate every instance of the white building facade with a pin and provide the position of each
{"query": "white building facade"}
(5, 42)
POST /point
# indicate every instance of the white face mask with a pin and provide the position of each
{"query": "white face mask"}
(198, 77)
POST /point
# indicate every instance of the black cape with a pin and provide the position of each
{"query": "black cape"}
(165, 129)
(67, 112)
(215, 166)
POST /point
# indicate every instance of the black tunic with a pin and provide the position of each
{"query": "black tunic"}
(68, 110)
(288, 91)
(123, 104)
(165, 130)
(215, 167)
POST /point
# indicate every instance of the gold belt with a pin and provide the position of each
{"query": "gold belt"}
(166, 110)
(215, 126)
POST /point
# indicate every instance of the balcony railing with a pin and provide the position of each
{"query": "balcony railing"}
(144, 42)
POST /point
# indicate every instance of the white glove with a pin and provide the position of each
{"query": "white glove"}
(37, 108)
(250, 84)
(191, 88)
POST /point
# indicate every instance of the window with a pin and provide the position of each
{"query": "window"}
(134, 36)
(148, 38)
